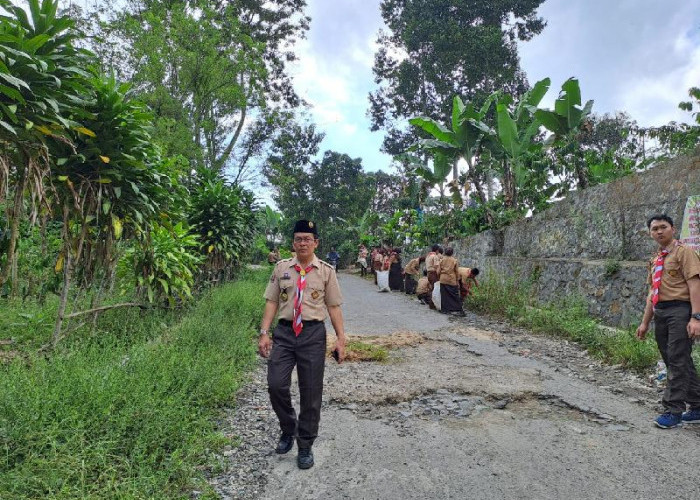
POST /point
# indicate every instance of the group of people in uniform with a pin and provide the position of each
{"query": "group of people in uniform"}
(303, 291)
(439, 267)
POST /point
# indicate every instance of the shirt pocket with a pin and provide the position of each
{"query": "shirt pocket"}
(673, 272)
(315, 294)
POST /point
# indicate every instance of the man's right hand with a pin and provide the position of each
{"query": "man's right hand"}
(642, 330)
(264, 345)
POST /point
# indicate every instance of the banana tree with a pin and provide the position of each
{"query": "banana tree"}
(513, 142)
(567, 122)
(271, 222)
(462, 141)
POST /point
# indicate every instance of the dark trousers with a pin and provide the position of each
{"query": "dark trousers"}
(683, 386)
(410, 284)
(432, 279)
(308, 353)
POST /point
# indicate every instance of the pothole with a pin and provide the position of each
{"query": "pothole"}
(444, 404)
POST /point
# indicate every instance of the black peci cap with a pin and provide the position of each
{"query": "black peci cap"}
(305, 226)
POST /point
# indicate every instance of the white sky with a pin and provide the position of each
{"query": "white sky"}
(638, 56)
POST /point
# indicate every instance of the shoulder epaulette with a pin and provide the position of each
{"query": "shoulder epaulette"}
(326, 264)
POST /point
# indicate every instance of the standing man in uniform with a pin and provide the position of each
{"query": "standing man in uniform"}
(674, 304)
(305, 291)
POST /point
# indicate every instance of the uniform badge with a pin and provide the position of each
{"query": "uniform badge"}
(285, 276)
(284, 296)
(673, 273)
(311, 224)
(314, 294)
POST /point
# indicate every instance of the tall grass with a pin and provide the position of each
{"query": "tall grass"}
(567, 318)
(130, 412)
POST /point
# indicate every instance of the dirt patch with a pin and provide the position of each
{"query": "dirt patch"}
(374, 348)
(478, 334)
(6, 356)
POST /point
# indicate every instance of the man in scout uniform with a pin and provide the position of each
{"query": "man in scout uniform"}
(304, 290)
(674, 303)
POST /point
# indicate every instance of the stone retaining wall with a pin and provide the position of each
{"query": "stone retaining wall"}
(593, 244)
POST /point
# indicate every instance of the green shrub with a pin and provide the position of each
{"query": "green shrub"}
(567, 318)
(128, 415)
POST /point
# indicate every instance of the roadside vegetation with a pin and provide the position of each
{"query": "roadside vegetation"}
(568, 318)
(128, 411)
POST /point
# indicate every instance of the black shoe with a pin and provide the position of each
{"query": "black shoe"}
(305, 458)
(285, 444)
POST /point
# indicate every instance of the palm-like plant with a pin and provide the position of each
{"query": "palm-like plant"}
(567, 121)
(40, 98)
(222, 216)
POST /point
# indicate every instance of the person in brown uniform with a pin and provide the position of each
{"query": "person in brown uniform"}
(674, 304)
(448, 269)
(431, 263)
(304, 290)
(423, 288)
(467, 278)
(412, 273)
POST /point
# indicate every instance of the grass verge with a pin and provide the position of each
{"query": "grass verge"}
(128, 412)
(568, 318)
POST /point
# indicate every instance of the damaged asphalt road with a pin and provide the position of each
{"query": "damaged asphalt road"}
(476, 409)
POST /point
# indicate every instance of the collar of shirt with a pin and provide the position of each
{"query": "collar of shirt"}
(314, 262)
(671, 246)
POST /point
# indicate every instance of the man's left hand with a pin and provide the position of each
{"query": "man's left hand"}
(693, 329)
(340, 346)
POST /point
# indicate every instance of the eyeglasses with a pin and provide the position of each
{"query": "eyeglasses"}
(304, 240)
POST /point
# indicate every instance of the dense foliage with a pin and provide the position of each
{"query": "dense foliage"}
(79, 159)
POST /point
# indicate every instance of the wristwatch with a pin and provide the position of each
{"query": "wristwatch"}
(695, 316)
(263, 331)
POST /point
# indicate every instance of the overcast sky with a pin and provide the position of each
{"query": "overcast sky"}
(638, 56)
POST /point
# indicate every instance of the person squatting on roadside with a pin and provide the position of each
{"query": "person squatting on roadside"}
(423, 289)
(674, 304)
(305, 291)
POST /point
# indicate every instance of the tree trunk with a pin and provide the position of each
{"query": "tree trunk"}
(15, 217)
(67, 265)
(509, 185)
(581, 173)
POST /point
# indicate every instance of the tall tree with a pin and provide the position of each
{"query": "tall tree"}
(209, 70)
(435, 49)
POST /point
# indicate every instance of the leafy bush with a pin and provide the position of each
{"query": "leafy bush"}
(567, 318)
(164, 263)
(129, 413)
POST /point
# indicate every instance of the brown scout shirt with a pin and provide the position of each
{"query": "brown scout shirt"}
(322, 289)
(448, 271)
(681, 264)
(463, 273)
(423, 286)
(431, 261)
(413, 266)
